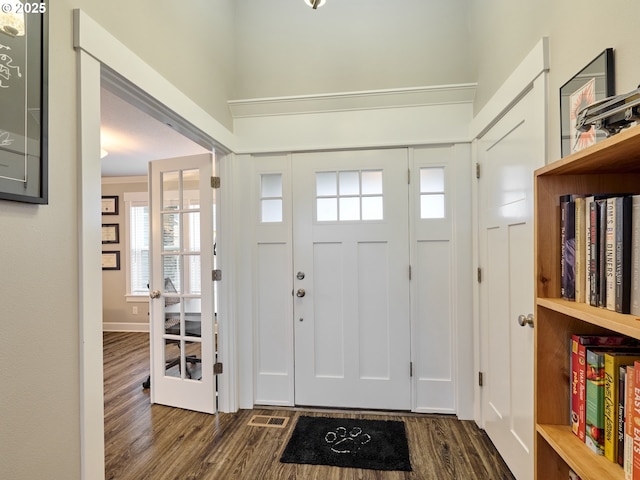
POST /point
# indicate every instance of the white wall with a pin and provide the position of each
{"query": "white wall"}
(40, 408)
(504, 32)
(283, 47)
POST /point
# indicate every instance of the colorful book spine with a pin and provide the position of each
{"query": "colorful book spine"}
(568, 247)
(578, 360)
(636, 422)
(594, 253)
(612, 363)
(635, 256)
(629, 421)
(602, 242)
(580, 249)
(622, 380)
(610, 255)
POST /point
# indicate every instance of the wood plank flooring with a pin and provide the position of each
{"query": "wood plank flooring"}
(153, 442)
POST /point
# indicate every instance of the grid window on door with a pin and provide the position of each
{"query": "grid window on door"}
(351, 195)
(432, 192)
(271, 197)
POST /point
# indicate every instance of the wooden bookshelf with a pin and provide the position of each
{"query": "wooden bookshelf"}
(611, 166)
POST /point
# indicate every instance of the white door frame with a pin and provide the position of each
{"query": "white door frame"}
(96, 48)
(520, 81)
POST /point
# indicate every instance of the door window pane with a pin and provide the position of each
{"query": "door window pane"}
(349, 196)
(171, 232)
(432, 194)
(326, 184)
(372, 208)
(170, 190)
(372, 183)
(271, 203)
(190, 189)
(349, 183)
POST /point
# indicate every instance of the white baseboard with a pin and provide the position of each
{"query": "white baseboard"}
(125, 327)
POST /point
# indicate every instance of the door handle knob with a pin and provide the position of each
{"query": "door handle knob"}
(300, 293)
(155, 294)
(524, 320)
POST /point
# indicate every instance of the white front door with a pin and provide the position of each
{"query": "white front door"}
(182, 307)
(508, 154)
(351, 279)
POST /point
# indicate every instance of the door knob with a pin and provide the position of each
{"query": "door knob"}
(525, 320)
(155, 294)
(300, 293)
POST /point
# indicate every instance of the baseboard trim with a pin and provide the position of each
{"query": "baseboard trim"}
(125, 327)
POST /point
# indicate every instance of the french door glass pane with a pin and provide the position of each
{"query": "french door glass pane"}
(327, 209)
(326, 184)
(372, 208)
(372, 183)
(190, 189)
(170, 190)
(271, 185)
(171, 273)
(349, 183)
(191, 231)
(171, 232)
(350, 208)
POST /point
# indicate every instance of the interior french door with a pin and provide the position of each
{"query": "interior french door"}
(181, 288)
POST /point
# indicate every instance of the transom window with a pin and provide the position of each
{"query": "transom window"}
(432, 192)
(350, 195)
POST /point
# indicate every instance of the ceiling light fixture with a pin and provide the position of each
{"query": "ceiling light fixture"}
(315, 3)
(11, 22)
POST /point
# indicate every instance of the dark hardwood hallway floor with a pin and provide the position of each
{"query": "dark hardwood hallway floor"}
(154, 442)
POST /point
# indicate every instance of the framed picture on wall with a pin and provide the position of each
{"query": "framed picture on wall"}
(109, 205)
(591, 84)
(23, 102)
(110, 233)
(111, 260)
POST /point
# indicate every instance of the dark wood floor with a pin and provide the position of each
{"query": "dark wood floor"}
(154, 442)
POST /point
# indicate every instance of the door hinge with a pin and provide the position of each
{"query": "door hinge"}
(477, 170)
(409, 272)
(479, 275)
(217, 368)
(480, 379)
(411, 369)
(216, 275)
(215, 182)
(409, 176)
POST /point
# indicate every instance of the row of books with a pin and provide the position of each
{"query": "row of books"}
(600, 251)
(605, 398)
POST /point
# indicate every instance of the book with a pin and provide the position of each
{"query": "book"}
(610, 254)
(635, 422)
(587, 247)
(594, 252)
(578, 360)
(567, 247)
(622, 380)
(622, 254)
(628, 422)
(602, 247)
(580, 249)
(594, 433)
(612, 363)
(634, 307)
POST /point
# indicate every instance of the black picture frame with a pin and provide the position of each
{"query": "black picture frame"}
(110, 233)
(24, 60)
(109, 205)
(592, 83)
(111, 260)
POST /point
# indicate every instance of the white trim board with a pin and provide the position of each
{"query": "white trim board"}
(125, 327)
(521, 80)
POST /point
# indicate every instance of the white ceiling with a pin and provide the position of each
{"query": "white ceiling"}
(132, 138)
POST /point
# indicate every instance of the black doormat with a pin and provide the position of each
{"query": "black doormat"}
(345, 442)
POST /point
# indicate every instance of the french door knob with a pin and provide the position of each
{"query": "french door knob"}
(300, 293)
(155, 294)
(524, 320)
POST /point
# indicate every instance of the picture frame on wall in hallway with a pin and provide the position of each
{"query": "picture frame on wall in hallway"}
(23, 102)
(111, 260)
(591, 84)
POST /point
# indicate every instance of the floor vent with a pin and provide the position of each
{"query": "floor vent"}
(268, 421)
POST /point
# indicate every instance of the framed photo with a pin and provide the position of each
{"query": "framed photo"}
(594, 82)
(111, 260)
(110, 233)
(110, 205)
(23, 102)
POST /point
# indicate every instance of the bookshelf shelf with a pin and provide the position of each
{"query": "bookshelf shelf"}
(612, 167)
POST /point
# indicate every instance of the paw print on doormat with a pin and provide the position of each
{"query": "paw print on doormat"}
(342, 441)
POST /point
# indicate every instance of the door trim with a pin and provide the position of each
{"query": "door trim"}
(96, 48)
(519, 82)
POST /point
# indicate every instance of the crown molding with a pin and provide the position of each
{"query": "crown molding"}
(364, 100)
